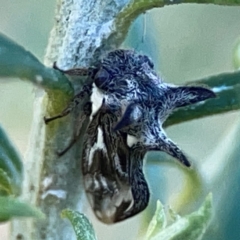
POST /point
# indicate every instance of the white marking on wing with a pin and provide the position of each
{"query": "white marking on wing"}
(131, 140)
(103, 182)
(100, 140)
(97, 145)
(96, 99)
(124, 196)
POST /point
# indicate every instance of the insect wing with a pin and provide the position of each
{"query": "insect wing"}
(105, 169)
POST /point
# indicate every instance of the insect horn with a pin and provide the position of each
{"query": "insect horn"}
(186, 95)
(166, 145)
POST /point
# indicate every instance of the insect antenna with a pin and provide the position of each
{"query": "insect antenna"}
(73, 71)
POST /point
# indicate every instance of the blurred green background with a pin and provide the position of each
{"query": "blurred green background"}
(186, 42)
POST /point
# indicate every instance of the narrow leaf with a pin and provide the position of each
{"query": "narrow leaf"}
(136, 7)
(173, 215)
(10, 163)
(5, 183)
(82, 226)
(9, 149)
(236, 55)
(158, 221)
(11, 207)
(15, 61)
(190, 227)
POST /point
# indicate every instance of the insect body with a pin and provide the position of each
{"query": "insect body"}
(129, 103)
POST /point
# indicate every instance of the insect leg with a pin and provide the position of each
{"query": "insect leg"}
(81, 120)
(79, 98)
(65, 112)
(73, 71)
(73, 141)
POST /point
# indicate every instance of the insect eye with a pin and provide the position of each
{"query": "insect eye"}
(101, 78)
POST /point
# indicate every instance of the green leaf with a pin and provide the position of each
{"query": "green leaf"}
(10, 165)
(136, 7)
(158, 221)
(190, 227)
(15, 61)
(5, 183)
(11, 207)
(173, 215)
(236, 55)
(9, 149)
(82, 227)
